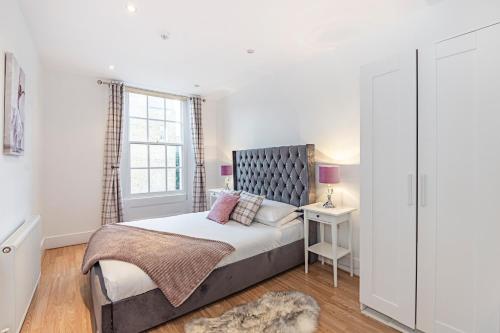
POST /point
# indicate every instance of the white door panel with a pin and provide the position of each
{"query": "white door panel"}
(388, 211)
(459, 155)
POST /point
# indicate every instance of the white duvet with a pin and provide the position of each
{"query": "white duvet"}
(124, 280)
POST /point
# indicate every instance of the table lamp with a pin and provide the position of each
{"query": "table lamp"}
(329, 174)
(226, 171)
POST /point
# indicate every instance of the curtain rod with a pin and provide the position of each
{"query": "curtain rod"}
(107, 83)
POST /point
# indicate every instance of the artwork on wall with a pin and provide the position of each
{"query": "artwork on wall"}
(15, 96)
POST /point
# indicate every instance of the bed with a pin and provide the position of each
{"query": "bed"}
(124, 299)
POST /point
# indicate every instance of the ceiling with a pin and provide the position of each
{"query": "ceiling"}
(208, 39)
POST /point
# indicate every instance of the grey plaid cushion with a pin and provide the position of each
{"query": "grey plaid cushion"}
(247, 208)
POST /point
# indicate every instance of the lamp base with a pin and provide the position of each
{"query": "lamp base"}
(329, 203)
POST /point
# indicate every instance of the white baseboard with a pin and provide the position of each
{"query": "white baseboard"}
(56, 241)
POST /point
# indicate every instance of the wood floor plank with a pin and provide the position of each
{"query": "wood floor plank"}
(61, 302)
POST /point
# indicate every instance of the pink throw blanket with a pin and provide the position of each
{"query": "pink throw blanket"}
(178, 264)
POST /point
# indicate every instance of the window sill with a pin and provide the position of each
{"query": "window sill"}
(136, 202)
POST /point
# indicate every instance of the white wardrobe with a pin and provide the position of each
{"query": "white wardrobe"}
(430, 188)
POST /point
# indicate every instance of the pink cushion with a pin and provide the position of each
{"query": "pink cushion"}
(223, 207)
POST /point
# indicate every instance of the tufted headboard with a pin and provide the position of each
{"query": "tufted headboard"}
(284, 174)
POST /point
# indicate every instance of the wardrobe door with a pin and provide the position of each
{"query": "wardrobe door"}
(459, 167)
(388, 190)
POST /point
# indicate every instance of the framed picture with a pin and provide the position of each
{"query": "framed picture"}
(15, 97)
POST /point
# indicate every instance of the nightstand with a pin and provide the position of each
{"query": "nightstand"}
(213, 194)
(333, 217)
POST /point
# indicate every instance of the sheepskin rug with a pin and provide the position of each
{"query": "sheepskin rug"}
(275, 312)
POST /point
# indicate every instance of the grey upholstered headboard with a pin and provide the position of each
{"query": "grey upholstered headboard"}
(284, 174)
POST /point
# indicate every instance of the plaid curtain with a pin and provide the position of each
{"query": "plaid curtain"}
(112, 209)
(199, 182)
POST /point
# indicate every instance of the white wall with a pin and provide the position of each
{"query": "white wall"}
(317, 101)
(19, 175)
(75, 112)
(209, 122)
(73, 132)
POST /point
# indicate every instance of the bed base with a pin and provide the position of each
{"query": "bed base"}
(145, 311)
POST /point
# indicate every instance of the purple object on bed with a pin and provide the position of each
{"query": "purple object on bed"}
(223, 207)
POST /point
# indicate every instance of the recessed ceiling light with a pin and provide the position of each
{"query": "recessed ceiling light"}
(250, 51)
(111, 67)
(131, 8)
(196, 85)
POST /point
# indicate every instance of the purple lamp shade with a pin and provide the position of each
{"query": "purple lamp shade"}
(329, 174)
(226, 170)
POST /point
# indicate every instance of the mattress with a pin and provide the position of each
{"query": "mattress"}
(124, 280)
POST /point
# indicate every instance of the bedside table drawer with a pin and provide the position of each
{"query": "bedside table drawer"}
(320, 217)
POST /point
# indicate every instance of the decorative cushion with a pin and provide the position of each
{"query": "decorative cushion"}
(287, 219)
(247, 207)
(223, 207)
(273, 211)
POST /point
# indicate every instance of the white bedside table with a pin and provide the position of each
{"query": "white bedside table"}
(333, 217)
(213, 194)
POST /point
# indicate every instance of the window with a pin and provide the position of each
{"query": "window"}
(154, 145)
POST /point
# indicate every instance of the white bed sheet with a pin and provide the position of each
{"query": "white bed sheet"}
(124, 280)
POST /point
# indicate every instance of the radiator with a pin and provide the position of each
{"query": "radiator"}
(20, 264)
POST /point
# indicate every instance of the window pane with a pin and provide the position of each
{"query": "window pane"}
(156, 102)
(174, 179)
(154, 166)
(157, 156)
(173, 109)
(137, 105)
(138, 181)
(156, 114)
(157, 180)
(174, 156)
(138, 130)
(156, 131)
(138, 156)
(174, 132)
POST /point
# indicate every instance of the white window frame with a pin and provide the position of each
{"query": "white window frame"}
(153, 198)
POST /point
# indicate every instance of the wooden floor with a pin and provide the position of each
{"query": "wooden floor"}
(60, 303)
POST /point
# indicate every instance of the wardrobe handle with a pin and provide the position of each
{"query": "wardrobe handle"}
(423, 189)
(410, 190)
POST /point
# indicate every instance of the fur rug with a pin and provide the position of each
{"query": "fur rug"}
(275, 312)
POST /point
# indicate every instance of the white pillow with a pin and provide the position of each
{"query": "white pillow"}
(287, 219)
(273, 211)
